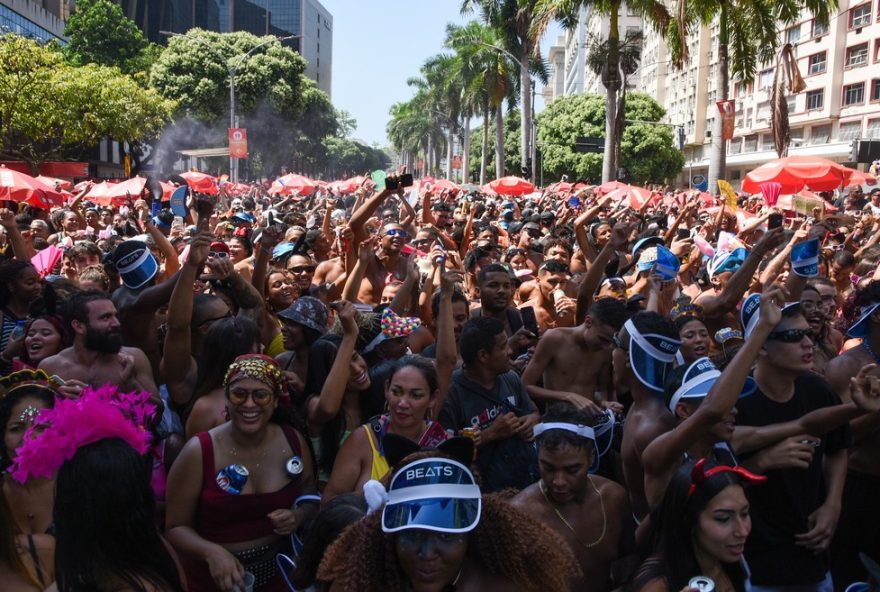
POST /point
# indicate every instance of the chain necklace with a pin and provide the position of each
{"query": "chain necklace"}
(568, 524)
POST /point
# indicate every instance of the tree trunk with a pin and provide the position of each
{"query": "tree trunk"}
(718, 153)
(611, 82)
(525, 83)
(484, 153)
(450, 150)
(499, 142)
(466, 150)
(429, 154)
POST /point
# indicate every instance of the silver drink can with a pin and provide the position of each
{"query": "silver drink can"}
(702, 583)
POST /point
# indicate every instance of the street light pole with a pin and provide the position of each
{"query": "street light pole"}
(231, 72)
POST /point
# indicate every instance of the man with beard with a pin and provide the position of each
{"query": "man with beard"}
(591, 513)
(97, 356)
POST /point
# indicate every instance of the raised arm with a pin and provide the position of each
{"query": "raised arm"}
(360, 216)
(714, 306)
(177, 365)
(666, 451)
(354, 279)
(20, 248)
(593, 278)
(447, 353)
(172, 263)
(324, 407)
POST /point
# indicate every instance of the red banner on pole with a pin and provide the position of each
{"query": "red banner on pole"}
(456, 161)
(238, 142)
(727, 109)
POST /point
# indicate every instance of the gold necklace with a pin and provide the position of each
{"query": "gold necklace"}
(568, 524)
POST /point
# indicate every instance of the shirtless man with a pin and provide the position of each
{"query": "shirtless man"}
(550, 310)
(730, 279)
(592, 514)
(139, 297)
(554, 250)
(97, 356)
(575, 362)
(644, 376)
(857, 527)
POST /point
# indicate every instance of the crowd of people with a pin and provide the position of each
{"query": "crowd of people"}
(425, 390)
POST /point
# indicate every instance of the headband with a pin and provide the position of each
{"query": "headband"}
(699, 474)
(73, 423)
(256, 366)
(581, 430)
(27, 377)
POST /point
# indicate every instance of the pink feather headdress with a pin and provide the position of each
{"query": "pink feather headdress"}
(99, 413)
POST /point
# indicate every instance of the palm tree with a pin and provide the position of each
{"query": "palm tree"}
(443, 74)
(566, 12)
(513, 19)
(748, 35)
(488, 81)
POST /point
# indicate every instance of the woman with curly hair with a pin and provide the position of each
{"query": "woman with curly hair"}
(700, 528)
(436, 532)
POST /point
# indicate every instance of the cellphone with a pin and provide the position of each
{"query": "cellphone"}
(405, 180)
(530, 321)
(155, 208)
(682, 233)
(774, 221)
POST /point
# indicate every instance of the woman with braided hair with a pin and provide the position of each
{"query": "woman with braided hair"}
(449, 538)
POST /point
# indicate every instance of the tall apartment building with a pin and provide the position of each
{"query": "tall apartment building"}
(306, 19)
(43, 20)
(840, 64)
(568, 56)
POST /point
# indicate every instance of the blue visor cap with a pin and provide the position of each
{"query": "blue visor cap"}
(436, 494)
(860, 327)
(244, 216)
(137, 268)
(651, 356)
(282, 250)
(749, 313)
(698, 380)
(661, 258)
(645, 243)
(805, 258)
(723, 261)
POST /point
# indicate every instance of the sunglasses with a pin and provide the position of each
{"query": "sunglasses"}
(218, 254)
(302, 269)
(791, 335)
(397, 232)
(239, 396)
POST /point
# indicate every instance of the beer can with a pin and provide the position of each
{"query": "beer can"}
(232, 478)
(469, 432)
(557, 294)
(702, 583)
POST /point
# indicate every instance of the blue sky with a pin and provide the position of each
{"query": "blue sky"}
(378, 44)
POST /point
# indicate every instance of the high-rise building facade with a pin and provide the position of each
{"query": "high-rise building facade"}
(308, 20)
(840, 63)
(39, 19)
(569, 55)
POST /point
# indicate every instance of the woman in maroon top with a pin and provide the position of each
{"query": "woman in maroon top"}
(220, 526)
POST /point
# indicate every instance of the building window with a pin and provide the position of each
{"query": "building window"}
(815, 99)
(791, 101)
(763, 113)
(857, 55)
(766, 80)
(873, 130)
(819, 134)
(875, 90)
(797, 136)
(849, 130)
(817, 63)
(854, 94)
(751, 144)
(819, 28)
(860, 16)
(766, 142)
(631, 12)
(793, 35)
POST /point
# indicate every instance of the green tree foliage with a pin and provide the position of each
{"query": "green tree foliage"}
(192, 70)
(50, 109)
(346, 158)
(648, 152)
(511, 147)
(99, 33)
